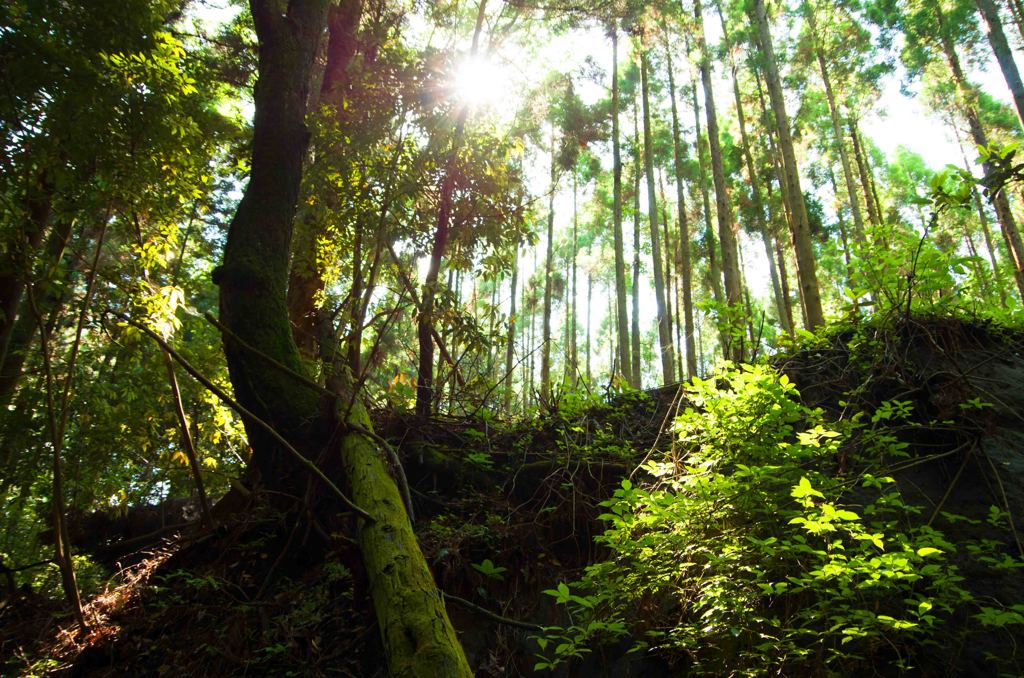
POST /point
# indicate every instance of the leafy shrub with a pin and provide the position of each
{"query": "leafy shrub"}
(745, 556)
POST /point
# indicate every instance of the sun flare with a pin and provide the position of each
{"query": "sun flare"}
(481, 82)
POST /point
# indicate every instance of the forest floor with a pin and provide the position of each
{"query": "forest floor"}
(505, 511)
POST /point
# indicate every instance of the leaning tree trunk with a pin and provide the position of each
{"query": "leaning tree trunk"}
(1004, 55)
(417, 635)
(806, 267)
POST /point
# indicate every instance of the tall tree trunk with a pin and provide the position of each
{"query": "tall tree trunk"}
(1004, 55)
(635, 370)
(590, 298)
(622, 319)
(1001, 204)
(874, 216)
(837, 131)
(755, 188)
(549, 263)
(573, 355)
(510, 345)
(805, 263)
(709, 232)
(425, 323)
(669, 282)
(664, 330)
(417, 636)
(685, 262)
(732, 338)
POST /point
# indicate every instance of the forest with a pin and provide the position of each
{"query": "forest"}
(511, 337)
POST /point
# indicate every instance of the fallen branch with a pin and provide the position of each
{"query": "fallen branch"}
(493, 616)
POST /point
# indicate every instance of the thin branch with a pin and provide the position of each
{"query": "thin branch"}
(493, 616)
(238, 407)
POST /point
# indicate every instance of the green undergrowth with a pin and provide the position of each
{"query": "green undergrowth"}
(777, 538)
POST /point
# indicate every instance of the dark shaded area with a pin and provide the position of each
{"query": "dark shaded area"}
(268, 594)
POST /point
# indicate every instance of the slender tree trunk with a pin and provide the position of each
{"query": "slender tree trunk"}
(1004, 55)
(622, 320)
(837, 131)
(709, 232)
(510, 345)
(733, 340)
(635, 370)
(669, 284)
(685, 259)
(573, 348)
(590, 298)
(664, 330)
(842, 222)
(425, 323)
(57, 420)
(777, 264)
(805, 263)
(549, 262)
(186, 438)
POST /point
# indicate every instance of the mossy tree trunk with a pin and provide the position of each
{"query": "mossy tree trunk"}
(416, 633)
